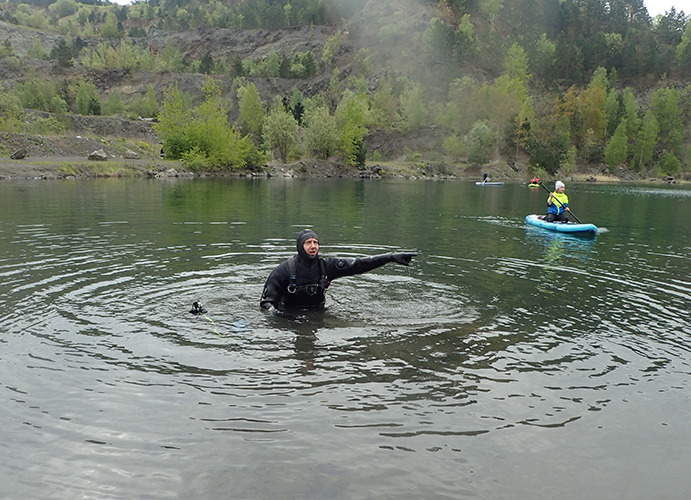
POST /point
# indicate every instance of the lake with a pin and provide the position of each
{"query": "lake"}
(505, 362)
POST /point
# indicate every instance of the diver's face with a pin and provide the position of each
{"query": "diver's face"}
(311, 246)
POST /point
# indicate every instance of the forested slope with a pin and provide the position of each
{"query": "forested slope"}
(553, 85)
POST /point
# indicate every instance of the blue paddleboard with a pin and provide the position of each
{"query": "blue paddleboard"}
(561, 227)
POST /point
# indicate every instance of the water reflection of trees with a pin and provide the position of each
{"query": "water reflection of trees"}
(558, 250)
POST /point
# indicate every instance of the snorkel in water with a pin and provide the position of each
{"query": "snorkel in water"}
(197, 308)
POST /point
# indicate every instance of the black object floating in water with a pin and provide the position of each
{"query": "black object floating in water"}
(197, 308)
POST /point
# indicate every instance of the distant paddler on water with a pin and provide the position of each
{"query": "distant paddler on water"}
(486, 181)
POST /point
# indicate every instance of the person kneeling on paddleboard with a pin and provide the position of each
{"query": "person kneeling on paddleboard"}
(300, 282)
(557, 204)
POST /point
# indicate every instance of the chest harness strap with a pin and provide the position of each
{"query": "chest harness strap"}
(311, 289)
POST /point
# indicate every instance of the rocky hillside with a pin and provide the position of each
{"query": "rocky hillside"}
(402, 51)
(363, 32)
(221, 43)
(383, 41)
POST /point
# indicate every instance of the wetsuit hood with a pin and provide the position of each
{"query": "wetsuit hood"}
(303, 236)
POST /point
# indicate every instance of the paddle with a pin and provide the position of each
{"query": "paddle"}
(573, 214)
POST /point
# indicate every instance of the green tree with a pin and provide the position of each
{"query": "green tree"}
(94, 105)
(463, 107)
(569, 60)
(516, 64)
(491, 8)
(37, 51)
(58, 105)
(669, 163)
(454, 146)
(384, 109)
(507, 102)
(683, 51)
(332, 47)
(439, 39)
(62, 54)
(359, 155)
(594, 99)
(296, 105)
(479, 143)
(113, 105)
(542, 61)
(37, 20)
(64, 8)
(111, 27)
(201, 136)
(644, 148)
(444, 43)
(351, 117)
(170, 59)
(287, 11)
(616, 150)
(272, 65)
(613, 103)
(172, 120)
(251, 110)
(6, 49)
(466, 39)
(206, 66)
(236, 67)
(145, 106)
(549, 137)
(321, 131)
(630, 111)
(615, 46)
(309, 63)
(414, 108)
(280, 132)
(568, 163)
(11, 113)
(665, 104)
(587, 109)
(34, 94)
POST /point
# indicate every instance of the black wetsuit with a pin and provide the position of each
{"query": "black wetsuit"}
(304, 286)
(311, 278)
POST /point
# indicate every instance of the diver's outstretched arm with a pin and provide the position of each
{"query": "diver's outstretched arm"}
(350, 267)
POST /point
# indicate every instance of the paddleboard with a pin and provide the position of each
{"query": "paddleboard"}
(561, 227)
(480, 183)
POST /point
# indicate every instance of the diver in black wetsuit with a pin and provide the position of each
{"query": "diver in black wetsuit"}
(300, 282)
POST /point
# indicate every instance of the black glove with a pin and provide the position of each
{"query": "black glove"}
(283, 314)
(403, 258)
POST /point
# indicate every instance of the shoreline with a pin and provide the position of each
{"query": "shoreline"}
(60, 167)
(65, 157)
(78, 168)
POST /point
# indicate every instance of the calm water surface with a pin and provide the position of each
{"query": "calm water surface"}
(505, 362)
